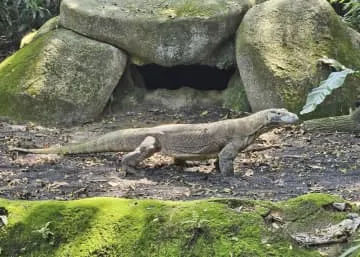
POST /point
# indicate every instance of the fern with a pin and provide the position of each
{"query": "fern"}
(335, 80)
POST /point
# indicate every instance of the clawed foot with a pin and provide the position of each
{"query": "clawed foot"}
(127, 170)
(226, 168)
(228, 173)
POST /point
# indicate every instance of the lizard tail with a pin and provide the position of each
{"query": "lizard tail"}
(55, 150)
(92, 146)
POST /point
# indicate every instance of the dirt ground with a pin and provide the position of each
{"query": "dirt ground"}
(282, 164)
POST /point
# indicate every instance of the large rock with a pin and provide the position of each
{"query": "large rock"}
(234, 96)
(184, 97)
(60, 78)
(278, 45)
(130, 91)
(168, 33)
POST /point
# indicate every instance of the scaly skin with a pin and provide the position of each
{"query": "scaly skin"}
(182, 141)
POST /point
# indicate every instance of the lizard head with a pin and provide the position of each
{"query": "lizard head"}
(281, 116)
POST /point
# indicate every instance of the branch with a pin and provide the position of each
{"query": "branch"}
(346, 123)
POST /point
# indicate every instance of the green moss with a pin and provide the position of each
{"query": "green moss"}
(290, 65)
(309, 209)
(123, 227)
(181, 8)
(189, 8)
(13, 73)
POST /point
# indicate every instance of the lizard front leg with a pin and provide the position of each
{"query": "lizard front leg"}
(147, 148)
(228, 154)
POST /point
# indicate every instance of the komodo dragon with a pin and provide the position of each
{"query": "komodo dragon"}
(222, 139)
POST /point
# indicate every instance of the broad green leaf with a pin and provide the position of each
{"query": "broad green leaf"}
(318, 94)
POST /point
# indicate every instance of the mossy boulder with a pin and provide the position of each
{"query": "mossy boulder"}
(130, 227)
(167, 33)
(60, 78)
(278, 45)
(234, 96)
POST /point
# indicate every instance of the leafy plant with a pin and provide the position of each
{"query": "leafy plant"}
(352, 12)
(335, 80)
(350, 251)
(20, 16)
(46, 233)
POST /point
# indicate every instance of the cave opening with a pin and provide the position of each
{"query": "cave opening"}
(195, 76)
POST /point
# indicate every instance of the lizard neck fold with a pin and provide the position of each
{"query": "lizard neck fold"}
(252, 126)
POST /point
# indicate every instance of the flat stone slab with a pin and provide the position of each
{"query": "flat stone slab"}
(167, 33)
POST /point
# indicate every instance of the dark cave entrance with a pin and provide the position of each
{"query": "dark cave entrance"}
(195, 76)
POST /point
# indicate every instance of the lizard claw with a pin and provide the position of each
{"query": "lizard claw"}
(127, 170)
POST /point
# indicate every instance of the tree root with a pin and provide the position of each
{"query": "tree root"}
(346, 123)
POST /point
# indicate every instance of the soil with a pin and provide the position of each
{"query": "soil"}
(283, 163)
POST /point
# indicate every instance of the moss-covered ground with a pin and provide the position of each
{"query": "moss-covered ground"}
(129, 227)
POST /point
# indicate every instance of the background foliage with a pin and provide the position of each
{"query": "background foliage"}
(17, 17)
(350, 10)
(335, 80)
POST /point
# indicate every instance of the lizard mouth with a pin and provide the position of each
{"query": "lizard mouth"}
(290, 118)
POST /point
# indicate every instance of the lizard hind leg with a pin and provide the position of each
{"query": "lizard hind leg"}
(148, 147)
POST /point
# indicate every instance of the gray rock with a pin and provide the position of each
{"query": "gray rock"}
(234, 96)
(130, 91)
(223, 57)
(167, 33)
(278, 45)
(184, 97)
(339, 206)
(60, 78)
